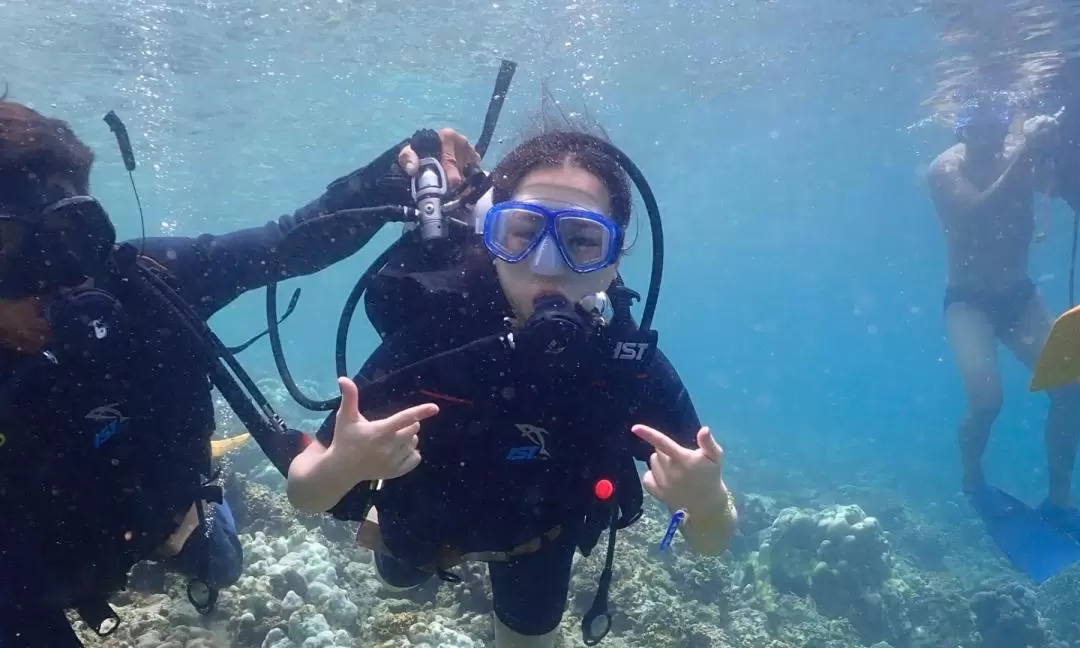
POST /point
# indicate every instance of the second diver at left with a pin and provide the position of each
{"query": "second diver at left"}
(105, 405)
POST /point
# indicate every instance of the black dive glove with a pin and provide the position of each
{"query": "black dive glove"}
(381, 182)
(314, 238)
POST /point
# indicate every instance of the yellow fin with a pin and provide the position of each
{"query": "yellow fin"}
(220, 447)
(1059, 361)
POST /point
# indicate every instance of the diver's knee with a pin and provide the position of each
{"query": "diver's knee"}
(507, 637)
(983, 411)
(984, 399)
(396, 575)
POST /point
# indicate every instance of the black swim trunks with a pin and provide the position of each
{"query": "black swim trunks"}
(1003, 306)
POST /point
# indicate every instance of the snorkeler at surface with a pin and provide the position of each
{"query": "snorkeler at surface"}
(105, 407)
(983, 190)
(522, 453)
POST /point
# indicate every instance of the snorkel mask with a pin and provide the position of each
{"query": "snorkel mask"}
(554, 240)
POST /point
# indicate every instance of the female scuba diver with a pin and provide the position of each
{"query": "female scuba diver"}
(526, 452)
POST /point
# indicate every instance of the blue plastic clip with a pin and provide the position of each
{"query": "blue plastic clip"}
(672, 526)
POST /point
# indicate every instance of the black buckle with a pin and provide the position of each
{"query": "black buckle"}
(99, 615)
(212, 492)
(202, 596)
(627, 296)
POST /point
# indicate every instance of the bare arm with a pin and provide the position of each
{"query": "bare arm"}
(954, 194)
(318, 479)
(709, 532)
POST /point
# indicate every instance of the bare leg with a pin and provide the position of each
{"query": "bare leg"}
(973, 342)
(1062, 435)
(1063, 421)
(507, 638)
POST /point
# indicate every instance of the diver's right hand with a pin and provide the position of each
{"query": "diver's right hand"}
(1040, 131)
(380, 449)
(458, 156)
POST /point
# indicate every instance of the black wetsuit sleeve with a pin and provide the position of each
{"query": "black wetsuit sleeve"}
(214, 269)
(665, 406)
(325, 433)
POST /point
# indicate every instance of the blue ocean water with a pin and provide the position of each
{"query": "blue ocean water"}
(786, 142)
(804, 266)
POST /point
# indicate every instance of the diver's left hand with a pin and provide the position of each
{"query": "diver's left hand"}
(457, 156)
(681, 478)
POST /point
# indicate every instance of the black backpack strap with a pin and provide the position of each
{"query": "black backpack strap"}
(201, 593)
(615, 462)
(357, 503)
(98, 614)
(632, 354)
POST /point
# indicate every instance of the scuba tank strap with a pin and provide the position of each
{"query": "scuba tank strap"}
(358, 502)
(596, 622)
(625, 508)
(242, 394)
(632, 353)
(202, 594)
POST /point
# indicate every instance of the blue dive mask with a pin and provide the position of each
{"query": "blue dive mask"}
(582, 240)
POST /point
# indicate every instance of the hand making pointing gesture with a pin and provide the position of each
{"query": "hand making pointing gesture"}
(379, 449)
(682, 478)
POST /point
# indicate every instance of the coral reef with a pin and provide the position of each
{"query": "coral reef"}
(841, 560)
(802, 572)
(1005, 617)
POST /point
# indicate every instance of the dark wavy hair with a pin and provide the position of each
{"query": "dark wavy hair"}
(38, 156)
(556, 140)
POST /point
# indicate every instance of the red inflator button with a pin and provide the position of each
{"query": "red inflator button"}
(603, 489)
